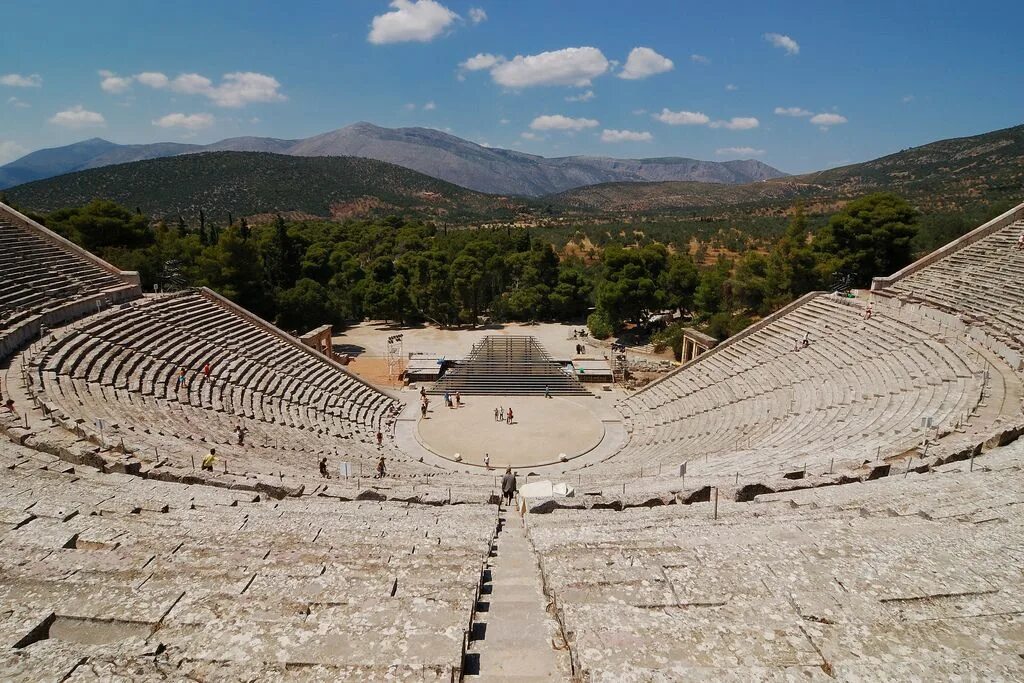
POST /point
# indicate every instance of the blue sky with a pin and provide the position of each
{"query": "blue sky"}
(800, 86)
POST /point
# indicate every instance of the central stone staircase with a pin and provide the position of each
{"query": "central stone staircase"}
(509, 365)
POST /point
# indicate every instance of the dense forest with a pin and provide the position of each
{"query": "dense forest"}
(305, 273)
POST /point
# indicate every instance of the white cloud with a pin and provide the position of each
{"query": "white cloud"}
(235, 90)
(783, 41)
(15, 102)
(77, 117)
(10, 150)
(477, 15)
(792, 111)
(113, 83)
(643, 62)
(739, 151)
(582, 97)
(409, 106)
(241, 88)
(700, 59)
(481, 61)
(153, 79)
(608, 135)
(504, 122)
(186, 121)
(19, 81)
(411, 20)
(736, 123)
(682, 118)
(559, 122)
(192, 84)
(574, 66)
(529, 136)
(639, 112)
(731, 87)
(429, 106)
(826, 120)
(907, 99)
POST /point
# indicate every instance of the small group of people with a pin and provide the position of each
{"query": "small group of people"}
(449, 400)
(180, 378)
(581, 349)
(382, 469)
(579, 334)
(240, 432)
(500, 414)
(803, 343)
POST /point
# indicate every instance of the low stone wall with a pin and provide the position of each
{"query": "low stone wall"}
(320, 339)
(994, 225)
(743, 334)
(277, 332)
(29, 330)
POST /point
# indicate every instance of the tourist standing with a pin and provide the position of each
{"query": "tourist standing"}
(508, 485)
(381, 469)
(509, 416)
(487, 460)
(323, 469)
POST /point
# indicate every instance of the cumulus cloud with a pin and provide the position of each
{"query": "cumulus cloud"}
(739, 151)
(529, 136)
(113, 83)
(153, 79)
(574, 66)
(609, 135)
(792, 111)
(477, 15)
(235, 90)
(700, 59)
(15, 102)
(481, 61)
(10, 150)
(77, 117)
(784, 42)
(731, 87)
(907, 99)
(559, 122)
(582, 97)
(429, 106)
(826, 120)
(682, 118)
(186, 121)
(19, 81)
(736, 123)
(643, 62)
(411, 21)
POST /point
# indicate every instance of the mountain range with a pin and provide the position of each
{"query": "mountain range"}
(432, 152)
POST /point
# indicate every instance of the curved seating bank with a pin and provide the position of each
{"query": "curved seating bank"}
(867, 524)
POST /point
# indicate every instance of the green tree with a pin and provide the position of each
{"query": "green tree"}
(872, 236)
(304, 306)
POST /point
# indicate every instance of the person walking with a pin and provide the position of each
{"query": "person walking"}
(509, 416)
(241, 432)
(547, 391)
(487, 460)
(497, 414)
(206, 371)
(508, 485)
(381, 469)
(380, 438)
(208, 461)
(458, 399)
(323, 469)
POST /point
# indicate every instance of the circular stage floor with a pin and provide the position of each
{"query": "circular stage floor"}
(542, 430)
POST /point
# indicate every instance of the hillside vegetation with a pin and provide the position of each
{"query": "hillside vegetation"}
(940, 176)
(253, 183)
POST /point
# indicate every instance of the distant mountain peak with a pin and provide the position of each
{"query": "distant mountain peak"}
(426, 150)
